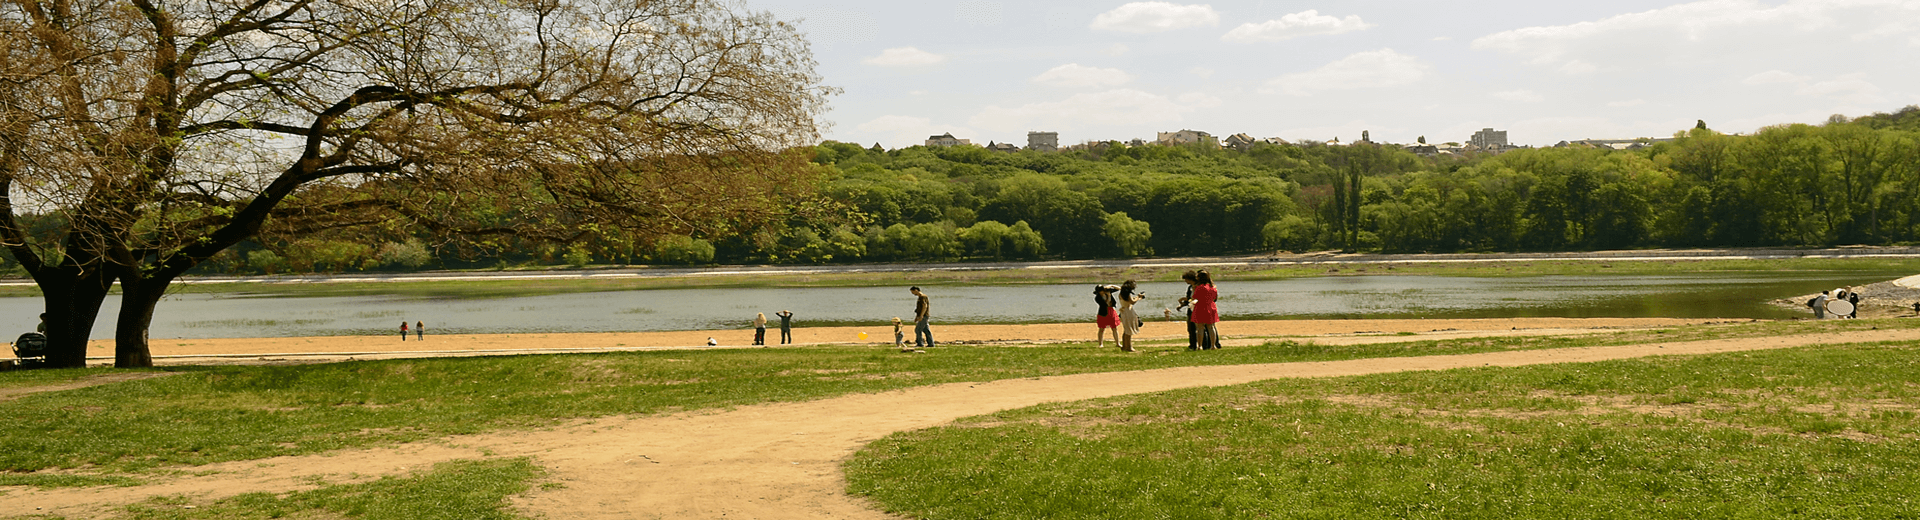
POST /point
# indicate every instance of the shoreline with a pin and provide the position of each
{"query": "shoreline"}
(341, 348)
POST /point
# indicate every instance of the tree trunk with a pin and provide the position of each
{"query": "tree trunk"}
(73, 303)
(137, 301)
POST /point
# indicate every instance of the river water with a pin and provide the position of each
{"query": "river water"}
(1715, 295)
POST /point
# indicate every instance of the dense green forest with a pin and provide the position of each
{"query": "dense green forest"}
(1847, 181)
(1843, 182)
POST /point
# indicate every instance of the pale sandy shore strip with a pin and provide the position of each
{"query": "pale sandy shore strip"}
(329, 348)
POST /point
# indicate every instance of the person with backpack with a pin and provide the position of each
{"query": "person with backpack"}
(1105, 316)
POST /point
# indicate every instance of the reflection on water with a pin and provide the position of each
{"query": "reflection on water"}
(1723, 295)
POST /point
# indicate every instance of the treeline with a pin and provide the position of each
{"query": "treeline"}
(1843, 182)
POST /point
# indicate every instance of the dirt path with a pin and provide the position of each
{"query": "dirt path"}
(782, 460)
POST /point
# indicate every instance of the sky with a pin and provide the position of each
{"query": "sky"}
(990, 70)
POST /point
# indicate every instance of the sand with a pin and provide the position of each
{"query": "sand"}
(335, 348)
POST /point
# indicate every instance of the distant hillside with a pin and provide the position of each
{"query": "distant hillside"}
(1904, 119)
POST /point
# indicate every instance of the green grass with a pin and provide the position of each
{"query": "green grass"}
(43, 377)
(60, 481)
(212, 414)
(459, 490)
(1819, 432)
(121, 433)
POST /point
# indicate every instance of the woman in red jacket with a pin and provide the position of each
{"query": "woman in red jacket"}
(1206, 313)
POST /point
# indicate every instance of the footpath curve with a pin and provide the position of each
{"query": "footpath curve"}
(783, 460)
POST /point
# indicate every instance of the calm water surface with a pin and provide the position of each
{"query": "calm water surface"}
(1723, 295)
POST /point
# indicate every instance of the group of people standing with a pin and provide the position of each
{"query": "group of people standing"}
(1117, 313)
(1852, 297)
(419, 330)
(1200, 307)
(760, 328)
(922, 328)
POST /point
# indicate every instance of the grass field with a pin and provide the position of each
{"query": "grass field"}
(126, 432)
(1805, 433)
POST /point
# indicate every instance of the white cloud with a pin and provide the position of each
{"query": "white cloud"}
(1520, 96)
(1152, 17)
(904, 57)
(1774, 76)
(1852, 88)
(1707, 30)
(1627, 103)
(903, 131)
(1199, 100)
(1373, 69)
(978, 13)
(1076, 75)
(1305, 23)
(1202, 72)
(828, 28)
(1577, 68)
(1119, 107)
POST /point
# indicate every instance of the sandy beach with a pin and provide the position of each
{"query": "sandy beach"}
(334, 348)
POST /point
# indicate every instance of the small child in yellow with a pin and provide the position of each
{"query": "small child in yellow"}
(899, 338)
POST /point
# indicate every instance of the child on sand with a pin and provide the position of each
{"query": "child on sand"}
(899, 336)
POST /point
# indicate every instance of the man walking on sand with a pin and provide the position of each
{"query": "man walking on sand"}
(922, 311)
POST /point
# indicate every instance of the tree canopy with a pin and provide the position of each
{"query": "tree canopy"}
(149, 136)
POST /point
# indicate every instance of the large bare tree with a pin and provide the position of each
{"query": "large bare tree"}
(145, 136)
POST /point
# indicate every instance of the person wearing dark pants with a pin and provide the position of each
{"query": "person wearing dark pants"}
(760, 328)
(786, 326)
(403, 330)
(1186, 303)
(1206, 313)
(420, 330)
(922, 312)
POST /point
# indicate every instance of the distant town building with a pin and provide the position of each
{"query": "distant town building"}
(946, 139)
(1043, 141)
(1616, 144)
(1242, 142)
(1184, 137)
(1002, 147)
(1488, 139)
